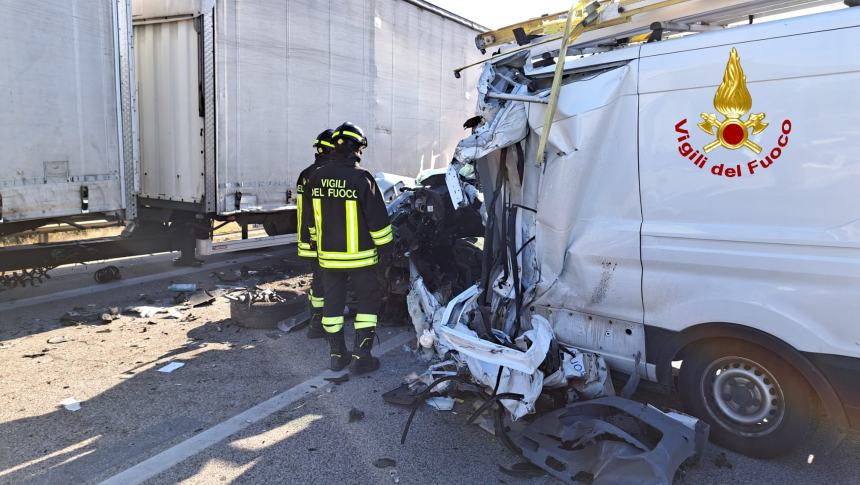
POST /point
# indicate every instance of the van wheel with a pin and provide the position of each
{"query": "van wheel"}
(754, 401)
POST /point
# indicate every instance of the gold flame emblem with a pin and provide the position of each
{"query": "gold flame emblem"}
(733, 100)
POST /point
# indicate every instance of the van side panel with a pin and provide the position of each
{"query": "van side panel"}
(588, 216)
(770, 239)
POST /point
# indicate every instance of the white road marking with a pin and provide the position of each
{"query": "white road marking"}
(172, 456)
(89, 290)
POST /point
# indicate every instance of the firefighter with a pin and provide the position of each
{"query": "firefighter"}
(323, 148)
(353, 233)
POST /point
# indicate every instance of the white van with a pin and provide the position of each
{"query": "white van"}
(699, 202)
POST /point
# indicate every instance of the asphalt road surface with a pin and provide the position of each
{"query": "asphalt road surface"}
(247, 406)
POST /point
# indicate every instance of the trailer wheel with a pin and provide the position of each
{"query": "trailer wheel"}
(755, 402)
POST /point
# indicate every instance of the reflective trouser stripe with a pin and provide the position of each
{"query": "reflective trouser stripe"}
(305, 250)
(332, 324)
(351, 226)
(365, 320)
(316, 302)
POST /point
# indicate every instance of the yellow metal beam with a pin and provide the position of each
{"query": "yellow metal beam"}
(569, 35)
(590, 22)
(623, 17)
(545, 25)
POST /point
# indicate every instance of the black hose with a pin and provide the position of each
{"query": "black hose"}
(505, 395)
(524, 245)
(502, 433)
(515, 270)
(421, 397)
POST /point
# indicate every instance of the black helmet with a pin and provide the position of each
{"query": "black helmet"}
(349, 131)
(323, 142)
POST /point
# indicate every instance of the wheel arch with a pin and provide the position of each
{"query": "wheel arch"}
(663, 346)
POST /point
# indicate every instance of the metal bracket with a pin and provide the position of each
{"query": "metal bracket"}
(518, 97)
(85, 199)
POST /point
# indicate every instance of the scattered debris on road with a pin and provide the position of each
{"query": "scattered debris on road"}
(107, 274)
(722, 461)
(440, 403)
(339, 379)
(295, 322)
(612, 440)
(71, 404)
(522, 470)
(183, 287)
(167, 369)
(265, 308)
(355, 415)
(384, 463)
(395, 477)
(151, 311)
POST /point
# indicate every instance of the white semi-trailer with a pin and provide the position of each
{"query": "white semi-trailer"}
(175, 115)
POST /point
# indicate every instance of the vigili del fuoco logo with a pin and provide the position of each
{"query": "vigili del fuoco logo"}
(733, 130)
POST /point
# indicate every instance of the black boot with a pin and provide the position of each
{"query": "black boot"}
(315, 329)
(362, 360)
(339, 356)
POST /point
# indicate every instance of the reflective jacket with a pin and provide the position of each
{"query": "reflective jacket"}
(350, 218)
(307, 248)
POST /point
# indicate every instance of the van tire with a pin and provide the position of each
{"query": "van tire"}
(746, 372)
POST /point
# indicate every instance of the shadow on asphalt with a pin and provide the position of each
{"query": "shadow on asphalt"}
(233, 369)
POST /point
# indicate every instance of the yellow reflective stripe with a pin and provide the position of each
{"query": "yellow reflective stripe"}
(385, 240)
(381, 233)
(351, 134)
(365, 317)
(299, 219)
(361, 263)
(332, 324)
(346, 256)
(325, 143)
(307, 253)
(317, 204)
(351, 226)
(304, 245)
(360, 325)
(316, 302)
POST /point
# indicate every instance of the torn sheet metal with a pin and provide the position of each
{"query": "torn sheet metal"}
(467, 342)
(612, 440)
(505, 123)
(392, 185)
(584, 373)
